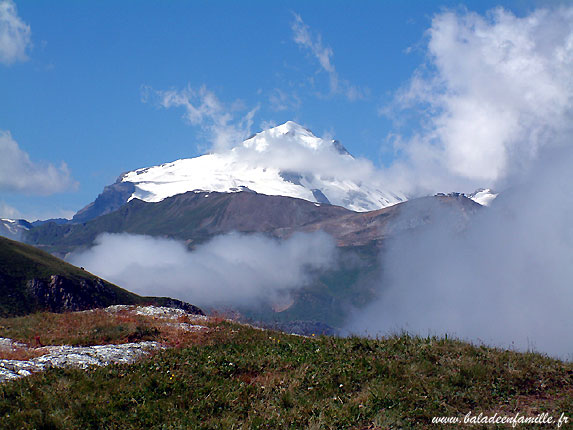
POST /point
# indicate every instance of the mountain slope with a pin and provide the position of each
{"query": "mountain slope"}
(365, 228)
(287, 160)
(193, 217)
(197, 216)
(32, 280)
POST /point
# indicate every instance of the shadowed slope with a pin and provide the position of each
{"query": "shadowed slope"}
(32, 280)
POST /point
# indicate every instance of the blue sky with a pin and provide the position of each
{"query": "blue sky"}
(77, 92)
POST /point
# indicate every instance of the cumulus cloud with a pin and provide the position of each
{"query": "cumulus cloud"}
(204, 109)
(15, 34)
(498, 94)
(19, 174)
(303, 37)
(494, 91)
(233, 269)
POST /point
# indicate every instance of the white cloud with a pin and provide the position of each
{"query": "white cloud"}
(19, 174)
(7, 211)
(320, 157)
(232, 269)
(497, 94)
(495, 90)
(204, 109)
(15, 35)
(303, 36)
(506, 280)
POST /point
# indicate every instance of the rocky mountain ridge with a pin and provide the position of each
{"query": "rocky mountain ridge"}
(195, 217)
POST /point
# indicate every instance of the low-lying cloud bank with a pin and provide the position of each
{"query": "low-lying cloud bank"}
(229, 270)
(506, 280)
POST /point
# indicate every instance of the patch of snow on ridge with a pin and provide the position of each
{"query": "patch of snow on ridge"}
(287, 160)
(483, 196)
(14, 226)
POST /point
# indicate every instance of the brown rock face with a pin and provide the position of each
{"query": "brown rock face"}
(60, 294)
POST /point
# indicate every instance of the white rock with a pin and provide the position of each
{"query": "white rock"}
(98, 355)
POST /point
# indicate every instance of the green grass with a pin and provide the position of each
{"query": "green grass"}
(238, 377)
(79, 328)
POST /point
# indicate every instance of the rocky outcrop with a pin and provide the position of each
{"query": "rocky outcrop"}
(60, 294)
(112, 198)
(46, 357)
(168, 302)
(75, 356)
(163, 312)
(32, 280)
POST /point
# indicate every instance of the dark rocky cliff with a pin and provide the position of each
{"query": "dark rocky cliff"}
(112, 198)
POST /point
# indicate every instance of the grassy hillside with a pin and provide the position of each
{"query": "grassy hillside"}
(238, 377)
(21, 261)
(21, 264)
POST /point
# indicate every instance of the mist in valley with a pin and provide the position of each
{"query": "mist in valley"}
(229, 270)
(505, 279)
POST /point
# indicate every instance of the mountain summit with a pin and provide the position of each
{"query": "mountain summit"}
(287, 160)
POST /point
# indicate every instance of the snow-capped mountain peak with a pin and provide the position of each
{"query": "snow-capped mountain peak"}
(483, 196)
(290, 133)
(287, 160)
